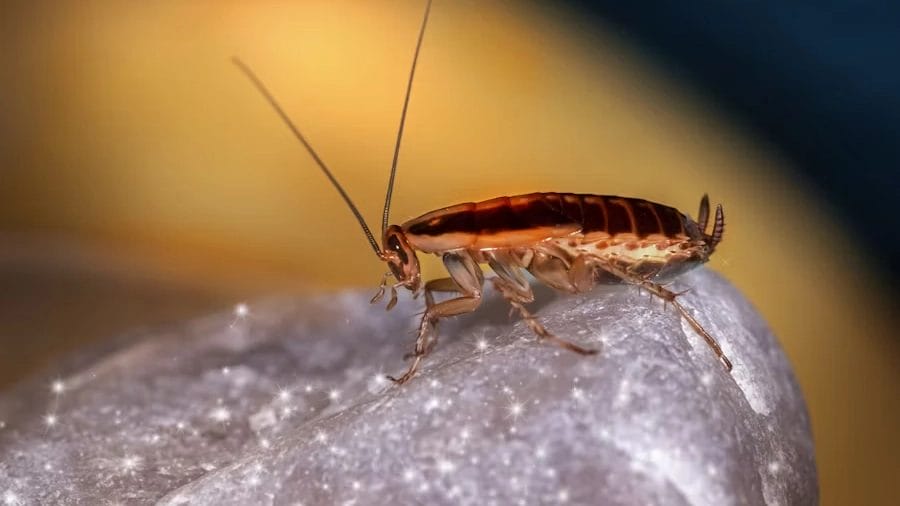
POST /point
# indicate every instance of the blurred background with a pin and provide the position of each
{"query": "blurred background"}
(143, 181)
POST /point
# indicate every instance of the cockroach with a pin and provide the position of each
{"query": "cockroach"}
(567, 241)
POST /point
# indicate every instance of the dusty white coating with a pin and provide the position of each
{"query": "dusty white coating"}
(285, 403)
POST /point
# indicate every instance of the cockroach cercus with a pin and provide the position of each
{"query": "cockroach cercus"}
(567, 241)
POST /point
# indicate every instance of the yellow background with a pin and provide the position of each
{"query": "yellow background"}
(144, 180)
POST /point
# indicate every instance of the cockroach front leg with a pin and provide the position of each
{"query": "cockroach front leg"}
(435, 285)
(670, 297)
(467, 280)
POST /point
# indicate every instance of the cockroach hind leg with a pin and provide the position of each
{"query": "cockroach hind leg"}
(669, 297)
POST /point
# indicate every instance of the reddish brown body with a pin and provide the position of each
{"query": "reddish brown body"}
(653, 240)
(523, 220)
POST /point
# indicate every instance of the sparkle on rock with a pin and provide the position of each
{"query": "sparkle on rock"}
(10, 498)
(50, 420)
(58, 387)
(130, 464)
(241, 310)
(515, 409)
(220, 414)
(445, 466)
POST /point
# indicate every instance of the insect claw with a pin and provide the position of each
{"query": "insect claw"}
(686, 290)
(401, 380)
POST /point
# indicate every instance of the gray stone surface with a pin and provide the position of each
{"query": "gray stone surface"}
(287, 405)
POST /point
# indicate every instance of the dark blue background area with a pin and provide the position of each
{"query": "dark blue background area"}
(819, 80)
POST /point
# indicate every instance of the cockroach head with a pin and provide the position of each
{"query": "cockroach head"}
(401, 258)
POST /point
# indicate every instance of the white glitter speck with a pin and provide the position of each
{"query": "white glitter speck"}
(445, 466)
(515, 410)
(220, 414)
(10, 498)
(432, 404)
(578, 394)
(58, 387)
(130, 464)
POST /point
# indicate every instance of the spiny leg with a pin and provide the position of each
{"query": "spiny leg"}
(467, 278)
(670, 297)
(517, 301)
(435, 285)
(452, 307)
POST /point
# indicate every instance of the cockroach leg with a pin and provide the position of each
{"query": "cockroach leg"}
(581, 273)
(452, 307)
(467, 279)
(552, 271)
(518, 300)
(435, 285)
(670, 297)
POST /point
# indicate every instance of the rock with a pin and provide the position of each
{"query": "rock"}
(286, 403)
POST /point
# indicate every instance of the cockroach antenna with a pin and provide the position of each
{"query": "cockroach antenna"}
(385, 216)
(296, 131)
(265, 92)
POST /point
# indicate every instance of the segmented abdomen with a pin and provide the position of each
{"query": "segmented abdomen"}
(524, 220)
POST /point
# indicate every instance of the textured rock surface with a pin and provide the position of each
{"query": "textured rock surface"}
(287, 405)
